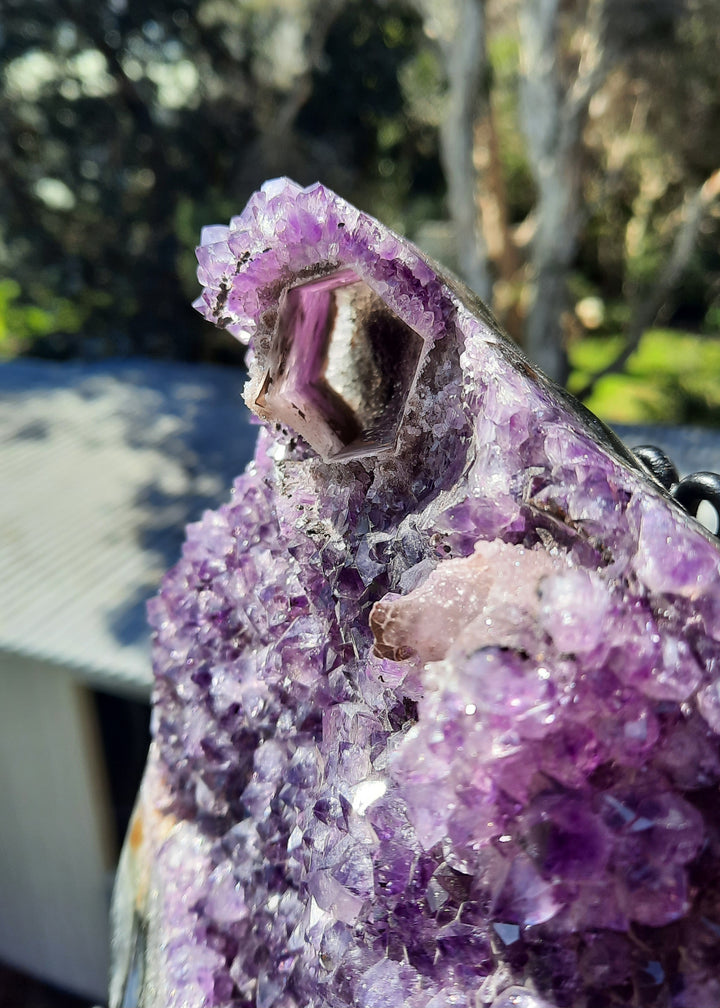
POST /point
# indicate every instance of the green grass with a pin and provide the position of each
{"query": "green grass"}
(673, 378)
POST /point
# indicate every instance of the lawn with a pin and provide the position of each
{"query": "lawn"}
(672, 378)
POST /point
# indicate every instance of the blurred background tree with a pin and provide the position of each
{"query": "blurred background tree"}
(128, 124)
(562, 156)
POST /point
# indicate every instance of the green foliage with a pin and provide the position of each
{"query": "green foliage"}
(375, 59)
(423, 87)
(672, 378)
(711, 322)
(22, 325)
(651, 141)
(126, 126)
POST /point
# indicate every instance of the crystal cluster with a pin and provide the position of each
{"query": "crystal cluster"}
(437, 703)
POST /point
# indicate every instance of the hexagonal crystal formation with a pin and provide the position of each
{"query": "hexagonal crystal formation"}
(340, 367)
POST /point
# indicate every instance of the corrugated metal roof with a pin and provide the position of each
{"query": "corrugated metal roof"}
(101, 467)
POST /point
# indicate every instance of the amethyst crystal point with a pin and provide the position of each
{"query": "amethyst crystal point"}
(436, 715)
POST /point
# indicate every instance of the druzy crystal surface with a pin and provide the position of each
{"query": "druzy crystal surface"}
(437, 703)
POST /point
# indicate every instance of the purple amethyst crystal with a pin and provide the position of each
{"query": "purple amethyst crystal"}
(437, 692)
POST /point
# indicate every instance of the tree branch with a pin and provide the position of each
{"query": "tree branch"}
(323, 15)
(594, 63)
(649, 309)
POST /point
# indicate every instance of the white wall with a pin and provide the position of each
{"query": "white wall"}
(56, 851)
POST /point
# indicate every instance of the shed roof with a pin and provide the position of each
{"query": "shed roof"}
(101, 467)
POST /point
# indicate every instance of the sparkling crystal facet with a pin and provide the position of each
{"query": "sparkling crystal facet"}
(437, 705)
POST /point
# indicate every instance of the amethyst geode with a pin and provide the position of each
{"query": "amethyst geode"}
(437, 703)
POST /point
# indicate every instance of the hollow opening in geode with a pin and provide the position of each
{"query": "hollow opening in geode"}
(340, 367)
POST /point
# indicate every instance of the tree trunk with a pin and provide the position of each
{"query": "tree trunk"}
(501, 247)
(554, 112)
(465, 64)
(558, 219)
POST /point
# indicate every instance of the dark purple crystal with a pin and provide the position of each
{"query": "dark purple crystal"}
(437, 692)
